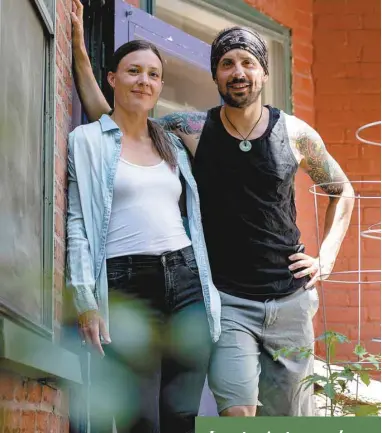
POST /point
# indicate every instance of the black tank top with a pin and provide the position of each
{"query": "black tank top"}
(248, 209)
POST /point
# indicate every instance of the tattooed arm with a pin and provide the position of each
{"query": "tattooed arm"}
(323, 169)
(186, 125)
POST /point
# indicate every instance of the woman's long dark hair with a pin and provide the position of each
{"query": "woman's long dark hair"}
(157, 134)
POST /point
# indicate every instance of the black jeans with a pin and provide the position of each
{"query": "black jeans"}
(152, 376)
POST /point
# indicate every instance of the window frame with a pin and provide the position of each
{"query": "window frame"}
(238, 10)
(45, 327)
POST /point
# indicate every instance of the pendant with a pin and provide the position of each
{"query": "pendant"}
(245, 146)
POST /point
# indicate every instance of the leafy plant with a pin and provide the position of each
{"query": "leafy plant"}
(340, 374)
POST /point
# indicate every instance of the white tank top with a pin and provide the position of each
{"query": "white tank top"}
(145, 215)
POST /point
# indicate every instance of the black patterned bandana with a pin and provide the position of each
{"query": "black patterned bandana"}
(239, 38)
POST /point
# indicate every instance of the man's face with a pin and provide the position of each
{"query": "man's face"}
(240, 78)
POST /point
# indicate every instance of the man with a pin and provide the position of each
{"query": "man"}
(245, 159)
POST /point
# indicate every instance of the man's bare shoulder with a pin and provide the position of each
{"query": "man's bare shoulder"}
(313, 156)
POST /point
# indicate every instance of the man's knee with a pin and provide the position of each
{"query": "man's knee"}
(239, 411)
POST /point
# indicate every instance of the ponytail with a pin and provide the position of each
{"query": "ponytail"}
(162, 143)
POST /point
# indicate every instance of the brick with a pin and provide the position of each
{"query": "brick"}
(59, 254)
(59, 224)
(368, 332)
(329, 103)
(371, 53)
(355, 6)
(28, 420)
(371, 21)
(34, 391)
(370, 70)
(332, 134)
(343, 314)
(341, 153)
(60, 199)
(302, 83)
(374, 312)
(12, 420)
(20, 390)
(371, 215)
(337, 70)
(356, 166)
(302, 67)
(61, 12)
(42, 422)
(329, 7)
(302, 51)
(303, 18)
(336, 298)
(48, 395)
(303, 34)
(368, 297)
(60, 170)
(304, 99)
(58, 280)
(8, 382)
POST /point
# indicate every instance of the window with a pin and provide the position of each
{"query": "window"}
(204, 19)
(26, 163)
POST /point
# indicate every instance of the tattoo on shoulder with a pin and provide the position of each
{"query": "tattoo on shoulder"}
(188, 123)
(319, 164)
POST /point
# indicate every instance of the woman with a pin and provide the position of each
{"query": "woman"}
(130, 262)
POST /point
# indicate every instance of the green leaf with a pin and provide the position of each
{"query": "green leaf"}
(332, 336)
(365, 378)
(284, 352)
(375, 360)
(305, 353)
(356, 367)
(315, 378)
(330, 391)
(342, 384)
(363, 409)
(346, 375)
(359, 350)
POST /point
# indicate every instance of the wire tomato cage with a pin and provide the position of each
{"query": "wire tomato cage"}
(363, 193)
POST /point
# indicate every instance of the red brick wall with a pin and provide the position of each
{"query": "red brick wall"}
(346, 72)
(63, 125)
(27, 406)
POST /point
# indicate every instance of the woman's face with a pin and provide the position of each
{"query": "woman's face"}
(137, 83)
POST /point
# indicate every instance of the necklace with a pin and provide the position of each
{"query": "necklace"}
(245, 145)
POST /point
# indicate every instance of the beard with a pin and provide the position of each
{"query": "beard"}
(240, 100)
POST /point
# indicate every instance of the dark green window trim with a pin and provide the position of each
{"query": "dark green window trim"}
(30, 355)
(48, 169)
(147, 6)
(47, 14)
(48, 193)
(45, 328)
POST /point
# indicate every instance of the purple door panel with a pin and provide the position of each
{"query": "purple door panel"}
(131, 23)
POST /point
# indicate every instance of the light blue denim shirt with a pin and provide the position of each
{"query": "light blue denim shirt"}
(93, 154)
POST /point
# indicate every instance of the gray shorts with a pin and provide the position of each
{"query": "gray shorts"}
(242, 370)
